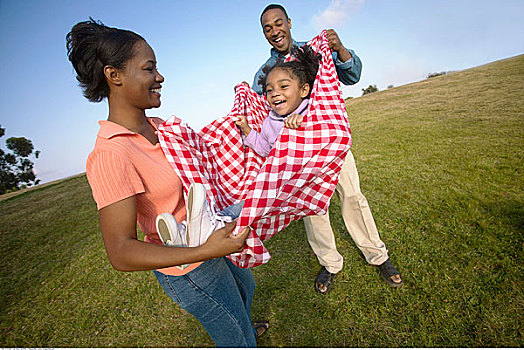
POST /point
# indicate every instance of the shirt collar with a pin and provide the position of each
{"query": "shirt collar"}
(274, 53)
(301, 109)
(109, 129)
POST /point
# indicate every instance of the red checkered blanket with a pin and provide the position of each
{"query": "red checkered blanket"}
(298, 177)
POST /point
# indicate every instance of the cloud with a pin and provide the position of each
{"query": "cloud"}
(337, 13)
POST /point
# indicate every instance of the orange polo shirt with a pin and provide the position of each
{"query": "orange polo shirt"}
(124, 164)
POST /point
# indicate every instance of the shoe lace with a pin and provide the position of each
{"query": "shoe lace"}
(211, 213)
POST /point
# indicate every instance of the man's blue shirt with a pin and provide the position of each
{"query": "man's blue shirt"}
(348, 72)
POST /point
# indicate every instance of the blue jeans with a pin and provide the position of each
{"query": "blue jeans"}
(232, 211)
(219, 295)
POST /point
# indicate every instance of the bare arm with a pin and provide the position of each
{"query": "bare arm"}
(127, 253)
(244, 126)
(336, 45)
(293, 121)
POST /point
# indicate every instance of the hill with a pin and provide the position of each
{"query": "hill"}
(441, 164)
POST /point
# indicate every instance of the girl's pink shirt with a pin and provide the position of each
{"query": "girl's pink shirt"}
(124, 164)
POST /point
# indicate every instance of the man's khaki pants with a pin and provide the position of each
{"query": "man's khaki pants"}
(358, 219)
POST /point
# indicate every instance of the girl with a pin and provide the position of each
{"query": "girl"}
(132, 181)
(287, 86)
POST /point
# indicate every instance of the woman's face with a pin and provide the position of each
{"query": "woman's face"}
(141, 81)
(283, 91)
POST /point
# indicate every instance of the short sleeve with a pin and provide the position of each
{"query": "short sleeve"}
(112, 177)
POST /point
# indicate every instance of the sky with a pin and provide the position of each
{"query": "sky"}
(204, 48)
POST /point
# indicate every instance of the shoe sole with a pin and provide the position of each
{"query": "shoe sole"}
(196, 194)
(390, 282)
(167, 228)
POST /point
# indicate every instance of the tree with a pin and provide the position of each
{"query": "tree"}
(369, 90)
(16, 169)
(436, 74)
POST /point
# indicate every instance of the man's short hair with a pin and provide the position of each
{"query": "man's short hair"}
(273, 6)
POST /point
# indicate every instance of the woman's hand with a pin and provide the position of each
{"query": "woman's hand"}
(294, 121)
(242, 123)
(127, 253)
(222, 242)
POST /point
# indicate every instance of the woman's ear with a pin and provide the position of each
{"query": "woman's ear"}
(112, 75)
(305, 90)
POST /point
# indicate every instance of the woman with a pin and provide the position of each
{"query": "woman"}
(132, 181)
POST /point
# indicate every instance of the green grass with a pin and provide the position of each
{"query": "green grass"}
(441, 164)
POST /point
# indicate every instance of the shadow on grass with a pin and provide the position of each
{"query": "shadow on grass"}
(510, 211)
(42, 232)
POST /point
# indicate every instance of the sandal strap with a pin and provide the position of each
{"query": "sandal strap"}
(264, 325)
(325, 278)
(388, 269)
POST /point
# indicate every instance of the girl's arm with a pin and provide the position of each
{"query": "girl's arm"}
(257, 141)
(244, 126)
(293, 121)
(127, 253)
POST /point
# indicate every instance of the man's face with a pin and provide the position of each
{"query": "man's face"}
(277, 30)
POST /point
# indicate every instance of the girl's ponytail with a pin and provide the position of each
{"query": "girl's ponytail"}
(304, 67)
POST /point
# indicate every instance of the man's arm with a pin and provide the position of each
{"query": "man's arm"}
(256, 86)
(347, 63)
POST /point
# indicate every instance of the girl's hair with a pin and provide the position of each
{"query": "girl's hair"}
(304, 68)
(90, 47)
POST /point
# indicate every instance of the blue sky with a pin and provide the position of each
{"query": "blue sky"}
(204, 48)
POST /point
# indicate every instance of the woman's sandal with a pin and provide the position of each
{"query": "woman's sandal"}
(386, 271)
(260, 327)
(324, 280)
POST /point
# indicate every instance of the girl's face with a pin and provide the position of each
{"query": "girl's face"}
(141, 81)
(283, 91)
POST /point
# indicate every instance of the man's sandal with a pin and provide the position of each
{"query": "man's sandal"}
(324, 280)
(260, 327)
(386, 271)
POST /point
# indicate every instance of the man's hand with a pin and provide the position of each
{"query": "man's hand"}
(242, 83)
(336, 45)
(242, 123)
(294, 121)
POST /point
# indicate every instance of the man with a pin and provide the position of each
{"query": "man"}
(356, 213)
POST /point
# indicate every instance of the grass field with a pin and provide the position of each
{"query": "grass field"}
(441, 163)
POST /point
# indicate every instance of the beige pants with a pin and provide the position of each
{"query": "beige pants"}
(358, 219)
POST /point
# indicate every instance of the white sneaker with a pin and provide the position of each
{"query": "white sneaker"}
(201, 216)
(171, 233)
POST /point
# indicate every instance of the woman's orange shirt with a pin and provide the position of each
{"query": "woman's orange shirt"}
(124, 164)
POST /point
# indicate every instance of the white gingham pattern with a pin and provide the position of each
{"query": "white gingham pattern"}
(298, 177)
